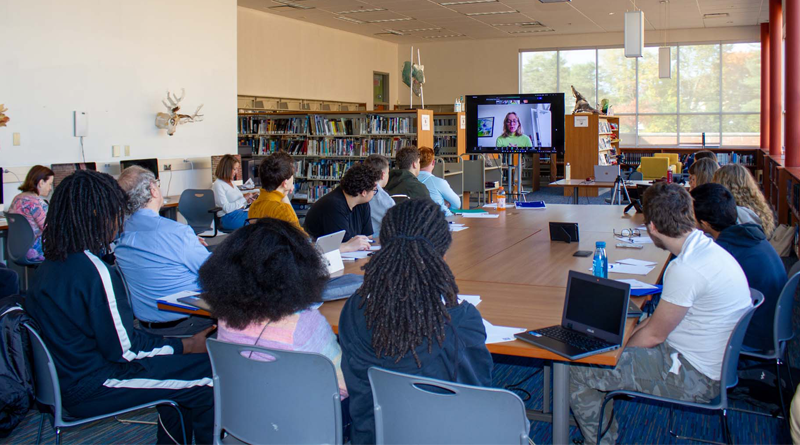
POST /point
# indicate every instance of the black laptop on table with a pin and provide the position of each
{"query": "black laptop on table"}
(593, 321)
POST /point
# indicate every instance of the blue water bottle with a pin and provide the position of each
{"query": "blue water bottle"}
(600, 262)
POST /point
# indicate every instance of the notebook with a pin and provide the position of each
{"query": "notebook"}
(593, 320)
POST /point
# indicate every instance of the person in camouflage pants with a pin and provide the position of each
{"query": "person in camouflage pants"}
(645, 370)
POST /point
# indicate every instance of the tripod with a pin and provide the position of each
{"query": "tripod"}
(619, 188)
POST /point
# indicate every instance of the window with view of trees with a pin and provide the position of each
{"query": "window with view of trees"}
(715, 89)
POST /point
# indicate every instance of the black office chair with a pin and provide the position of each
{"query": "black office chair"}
(19, 241)
(200, 210)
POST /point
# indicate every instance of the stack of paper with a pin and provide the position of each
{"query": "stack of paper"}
(639, 288)
(474, 299)
(480, 215)
(457, 227)
(500, 334)
(631, 266)
(357, 255)
(490, 206)
(636, 239)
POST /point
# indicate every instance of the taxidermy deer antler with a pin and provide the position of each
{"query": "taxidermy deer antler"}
(171, 121)
(581, 104)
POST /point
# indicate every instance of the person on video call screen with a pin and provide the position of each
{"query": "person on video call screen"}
(512, 133)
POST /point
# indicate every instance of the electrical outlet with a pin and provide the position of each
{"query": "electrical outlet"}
(16, 139)
(127, 150)
(115, 151)
(167, 167)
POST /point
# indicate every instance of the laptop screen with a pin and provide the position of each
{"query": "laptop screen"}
(596, 304)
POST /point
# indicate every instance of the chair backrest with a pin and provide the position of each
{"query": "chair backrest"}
(729, 377)
(400, 198)
(47, 390)
(418, 410)
(20, 239)
(194, 205)
(795, 268)
(673, 157)
(635, 176)
(654, 168)
(783, 311)
(292, 399)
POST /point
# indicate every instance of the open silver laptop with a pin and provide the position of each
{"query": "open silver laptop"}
(606, 173)
(329, 243)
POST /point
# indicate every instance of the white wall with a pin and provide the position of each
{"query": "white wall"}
(116, 60)
(283, 57)
(459, 68)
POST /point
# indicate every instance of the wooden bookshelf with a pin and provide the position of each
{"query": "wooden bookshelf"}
(773, 166)
(326, 144)
(587, 146)
(746, 156)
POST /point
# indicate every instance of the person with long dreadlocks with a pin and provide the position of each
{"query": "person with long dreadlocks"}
(406, 316)
(80, 306)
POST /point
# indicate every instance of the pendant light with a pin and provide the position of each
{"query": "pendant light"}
(664, 52)
(634, 33)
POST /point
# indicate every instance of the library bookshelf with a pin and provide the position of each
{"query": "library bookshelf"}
(325, 144)
(589, 139)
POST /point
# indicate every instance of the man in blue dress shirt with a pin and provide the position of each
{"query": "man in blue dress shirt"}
(440, 190)
(157, 256)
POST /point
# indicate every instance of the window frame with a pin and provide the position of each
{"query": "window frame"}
(721, 114)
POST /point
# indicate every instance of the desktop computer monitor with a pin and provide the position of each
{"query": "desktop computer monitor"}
(148, 164)
(61, 171)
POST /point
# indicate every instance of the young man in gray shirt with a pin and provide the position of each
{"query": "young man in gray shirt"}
(381, 202)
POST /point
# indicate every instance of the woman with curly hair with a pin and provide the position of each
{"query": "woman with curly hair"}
(406, 316)
(751, 205)
(263, 283)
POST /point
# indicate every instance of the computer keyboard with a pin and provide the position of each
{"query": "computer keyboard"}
(575, 339)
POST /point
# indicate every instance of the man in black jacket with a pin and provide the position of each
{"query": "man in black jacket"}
(80, 305)
(403, 180)
(715, 210)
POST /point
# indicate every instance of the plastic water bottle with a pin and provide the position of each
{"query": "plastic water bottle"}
(567, 172)
(457, 106)
(501, 199)
(600, 262)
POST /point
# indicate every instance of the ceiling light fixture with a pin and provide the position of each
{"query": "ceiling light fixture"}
(634, 33)
(467, 2)
(419, 29)
(351, 20)
(404, 19)
(443, 36)
(356, 11)
(472, 14)
(554, 1)
(390, 31)
(537, 23)
(289, 4)
(716, 15)
(528, 31)
(665, 52)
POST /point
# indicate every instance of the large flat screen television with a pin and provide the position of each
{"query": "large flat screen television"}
(515, 123)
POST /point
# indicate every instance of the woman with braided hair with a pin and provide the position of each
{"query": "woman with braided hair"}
(406, 316)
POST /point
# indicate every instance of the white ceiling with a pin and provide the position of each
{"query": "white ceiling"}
(435, 20)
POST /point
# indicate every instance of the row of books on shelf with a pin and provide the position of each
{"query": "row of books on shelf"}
(326, 147)
(337, 127)
(793, 194)
(445, 141)
(313, 192)
(735, 158)
(391, 125)
(321, 169)
(262, 125)
(264, 146)
(443, 122)
(604, 143)
(606, 127)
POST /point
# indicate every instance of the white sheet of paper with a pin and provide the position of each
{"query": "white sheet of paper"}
(474, 299)
(628, 269)
(490, 206)
(635, 262)
(500, 334)
(454, 228)
(642, 227)
(636, 284)
(374, 248)
(636, 240)
(359, 254)
(480, 215)
(426, 122)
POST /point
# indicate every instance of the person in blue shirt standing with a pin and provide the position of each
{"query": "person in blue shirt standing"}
(440, 190)
(158, 256)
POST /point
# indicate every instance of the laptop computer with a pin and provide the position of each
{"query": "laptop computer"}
(593, 320)
(606, 173)
(329, 243)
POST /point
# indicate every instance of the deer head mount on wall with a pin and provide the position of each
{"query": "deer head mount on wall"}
(3, 118)
(171, 121)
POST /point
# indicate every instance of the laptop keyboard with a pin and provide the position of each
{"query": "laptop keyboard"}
(575, 339)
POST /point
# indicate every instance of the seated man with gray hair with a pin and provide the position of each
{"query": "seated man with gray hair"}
(157, 256)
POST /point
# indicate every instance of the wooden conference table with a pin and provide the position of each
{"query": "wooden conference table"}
(521, 278)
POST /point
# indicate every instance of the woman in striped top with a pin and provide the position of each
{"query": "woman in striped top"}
(265, 283)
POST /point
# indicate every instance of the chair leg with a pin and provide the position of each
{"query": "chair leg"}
(39, 434)
(58, 436)
(779, 383)
(726, 430)
(600, 431)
